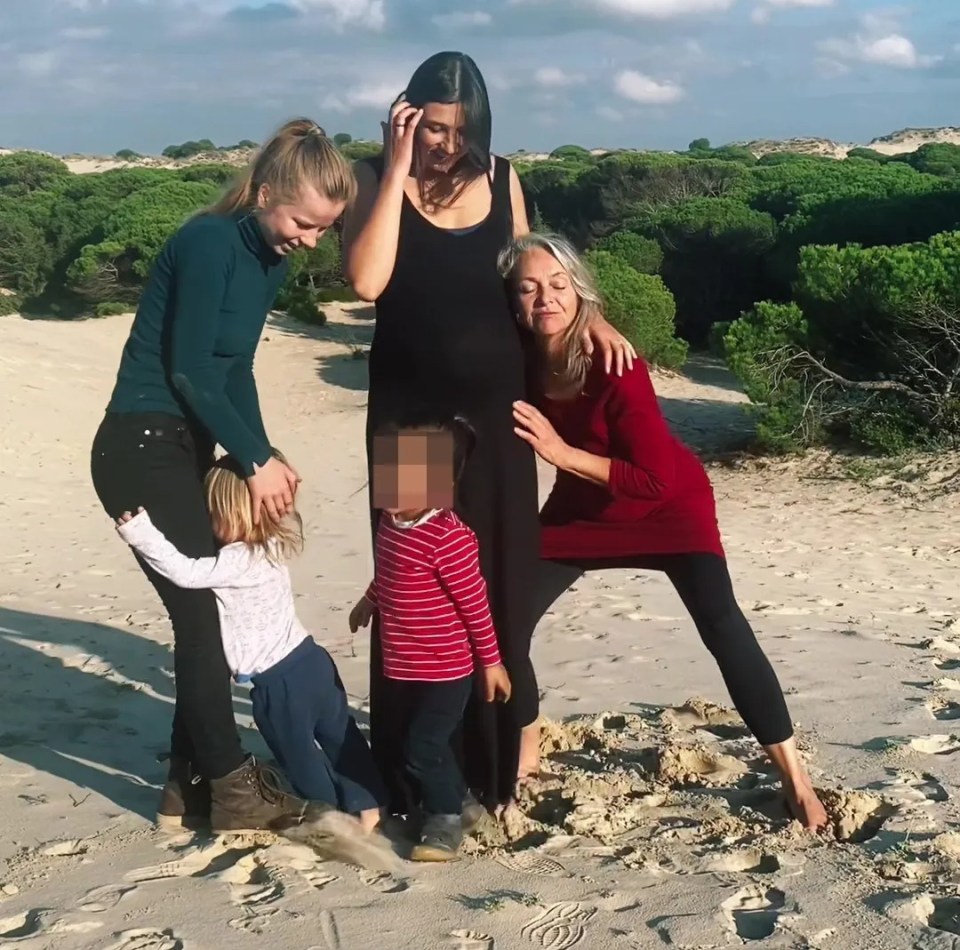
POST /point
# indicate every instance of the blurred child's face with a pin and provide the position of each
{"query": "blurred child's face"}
(413, 471)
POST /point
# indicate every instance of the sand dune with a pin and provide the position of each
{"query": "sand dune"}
(658, 823)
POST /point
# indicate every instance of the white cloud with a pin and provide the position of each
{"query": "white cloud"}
(762, 13)
(878, 43)
(640, 88)
(552, 77)
(662, 9)
(462, 20)
(84, 32)
(370, 96)
(38, 65)
(610, 114)
(647, 9)
(369, 13)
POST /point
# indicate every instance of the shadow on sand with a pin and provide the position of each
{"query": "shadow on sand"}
(92, 704)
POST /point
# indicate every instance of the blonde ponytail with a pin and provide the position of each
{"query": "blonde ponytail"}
(299, 154)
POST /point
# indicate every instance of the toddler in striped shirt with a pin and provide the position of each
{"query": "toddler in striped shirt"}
(436, 632)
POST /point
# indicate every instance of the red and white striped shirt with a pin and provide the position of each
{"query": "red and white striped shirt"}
(432, 600)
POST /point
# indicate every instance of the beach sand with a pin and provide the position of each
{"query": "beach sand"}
(659, 823)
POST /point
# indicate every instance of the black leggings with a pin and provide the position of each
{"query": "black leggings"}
(703, 583)
(155, 461)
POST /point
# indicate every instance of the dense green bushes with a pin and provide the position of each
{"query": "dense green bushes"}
(832, 286)
(640, 307)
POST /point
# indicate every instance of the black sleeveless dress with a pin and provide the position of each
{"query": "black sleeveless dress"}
(446, 342)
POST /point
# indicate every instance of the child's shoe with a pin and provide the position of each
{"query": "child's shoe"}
(440, 839)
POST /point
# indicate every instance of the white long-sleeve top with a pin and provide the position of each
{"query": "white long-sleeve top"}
(258, 620)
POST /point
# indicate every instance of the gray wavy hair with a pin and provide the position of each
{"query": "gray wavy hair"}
(575, 363)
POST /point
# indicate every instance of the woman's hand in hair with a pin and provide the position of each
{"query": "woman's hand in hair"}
(533, 427)
(272, 488)
(399, 135)
(615, 347)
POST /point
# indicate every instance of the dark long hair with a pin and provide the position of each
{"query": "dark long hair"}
(451, 77)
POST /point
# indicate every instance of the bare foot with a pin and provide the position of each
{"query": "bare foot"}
(801, 799)
(804, 806)
(370, 819)
(529, 752)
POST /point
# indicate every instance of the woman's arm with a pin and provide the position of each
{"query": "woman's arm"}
(521, 225)
(371, 229)
(241, 390)
(642, 460)
(204, 266)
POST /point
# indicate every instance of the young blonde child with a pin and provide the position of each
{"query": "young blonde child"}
(435, 629)
(299, 704)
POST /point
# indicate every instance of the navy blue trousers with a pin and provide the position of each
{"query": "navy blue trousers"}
(301, 710)
(421, 765)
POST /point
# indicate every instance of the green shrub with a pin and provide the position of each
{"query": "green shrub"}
(753, 346)
(111, 308)
(336, 295)
(302, 305)
(642, 254)
(640, 307)
(9, 303)
(575, 153)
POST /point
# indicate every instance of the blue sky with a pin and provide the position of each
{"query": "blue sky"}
(100, 75)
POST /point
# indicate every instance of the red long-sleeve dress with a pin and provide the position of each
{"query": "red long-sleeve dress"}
(659, 499)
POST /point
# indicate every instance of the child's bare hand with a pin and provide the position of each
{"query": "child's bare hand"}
(496, 683)
(361, 615)
(126, 516)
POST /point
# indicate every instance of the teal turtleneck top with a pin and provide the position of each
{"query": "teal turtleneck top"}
(191, 347)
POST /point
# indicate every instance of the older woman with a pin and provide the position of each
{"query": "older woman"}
(629, 494)
(421, 241)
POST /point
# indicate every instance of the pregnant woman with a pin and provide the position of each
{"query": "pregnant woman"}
(628, 494)
(422, 241)
(185, 384)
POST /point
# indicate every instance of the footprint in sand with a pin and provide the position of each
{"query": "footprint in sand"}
(251, 881)
(530, 862)
(745, 861)
(69, 848)
(944, 710)
(146, 938)
(319, 879)
(471, 940)
(101, 899)
(682, 765)
(914, 788)
(752, 913)
(940, 914)
(559, 926)
(383, 882)
(935, 745)
(195, 861)
(27, 924)
(703, 715)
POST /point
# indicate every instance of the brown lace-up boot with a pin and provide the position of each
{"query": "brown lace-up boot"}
(253, 798)
(185, 799)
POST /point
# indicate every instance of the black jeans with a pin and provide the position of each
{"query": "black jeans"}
(156, 461)
(704, 585)
(422, 768)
